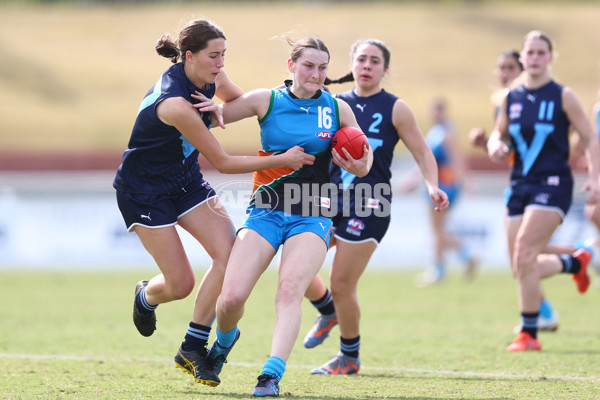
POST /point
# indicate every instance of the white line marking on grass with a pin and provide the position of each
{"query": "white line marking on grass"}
(486, 374)
(305, 367)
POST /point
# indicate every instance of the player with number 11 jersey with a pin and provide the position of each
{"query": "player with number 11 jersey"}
(539, 129)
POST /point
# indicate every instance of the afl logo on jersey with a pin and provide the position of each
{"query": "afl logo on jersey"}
(324, 135)
(514, 111)
(356, 224)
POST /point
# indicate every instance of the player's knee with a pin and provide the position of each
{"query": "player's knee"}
(288, 293)
(524, 262)
(219, 261)
(230, 303)
(182, 288)
(340, 289)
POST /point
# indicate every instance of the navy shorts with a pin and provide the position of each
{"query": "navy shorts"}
(277, 226)
(553, 193)
(352, 228)
(160, 210)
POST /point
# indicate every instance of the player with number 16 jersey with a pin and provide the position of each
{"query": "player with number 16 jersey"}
(309, 123)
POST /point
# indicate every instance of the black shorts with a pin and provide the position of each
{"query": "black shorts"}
(161, 210)
(551, 193)
(352, 228)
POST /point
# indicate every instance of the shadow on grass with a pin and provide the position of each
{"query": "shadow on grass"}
(288, 395)
(467, 378)
(573, 352)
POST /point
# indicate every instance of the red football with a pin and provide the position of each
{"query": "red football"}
(351, 139)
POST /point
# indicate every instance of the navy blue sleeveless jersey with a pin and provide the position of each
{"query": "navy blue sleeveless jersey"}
(374, 116)
(539, 129)
(159, 159)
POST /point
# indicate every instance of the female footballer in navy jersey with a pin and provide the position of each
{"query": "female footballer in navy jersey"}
(593, 211)
(363, 220)
(534, 120)
(288, 208)
(159, 185)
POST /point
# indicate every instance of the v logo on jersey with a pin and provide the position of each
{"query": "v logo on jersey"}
(361, 107)
(305, 109)
(529, 153)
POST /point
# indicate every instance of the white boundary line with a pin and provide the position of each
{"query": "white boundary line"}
(251, 365)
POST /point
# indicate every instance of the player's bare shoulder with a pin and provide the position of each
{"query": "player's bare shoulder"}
(402, 114)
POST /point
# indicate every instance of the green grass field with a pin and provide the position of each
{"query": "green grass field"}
(69, 335)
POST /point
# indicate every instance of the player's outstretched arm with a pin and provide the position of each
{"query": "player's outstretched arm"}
(180, 113)
(406, 126)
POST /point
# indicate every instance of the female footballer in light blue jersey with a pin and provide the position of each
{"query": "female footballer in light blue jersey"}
(443, 140)
(534, 120)
(288, 208)
(159, 185)
(364, 202)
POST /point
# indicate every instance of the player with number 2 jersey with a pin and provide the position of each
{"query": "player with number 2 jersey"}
(364, 203)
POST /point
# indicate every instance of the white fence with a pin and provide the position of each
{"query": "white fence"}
(71, 220)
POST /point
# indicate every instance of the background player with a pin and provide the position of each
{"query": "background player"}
(443, 140)
(535, 119)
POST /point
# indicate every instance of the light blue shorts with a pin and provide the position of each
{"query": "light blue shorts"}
(277, 226)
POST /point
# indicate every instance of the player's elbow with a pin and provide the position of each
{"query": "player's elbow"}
(223, 164)
(226, 169)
